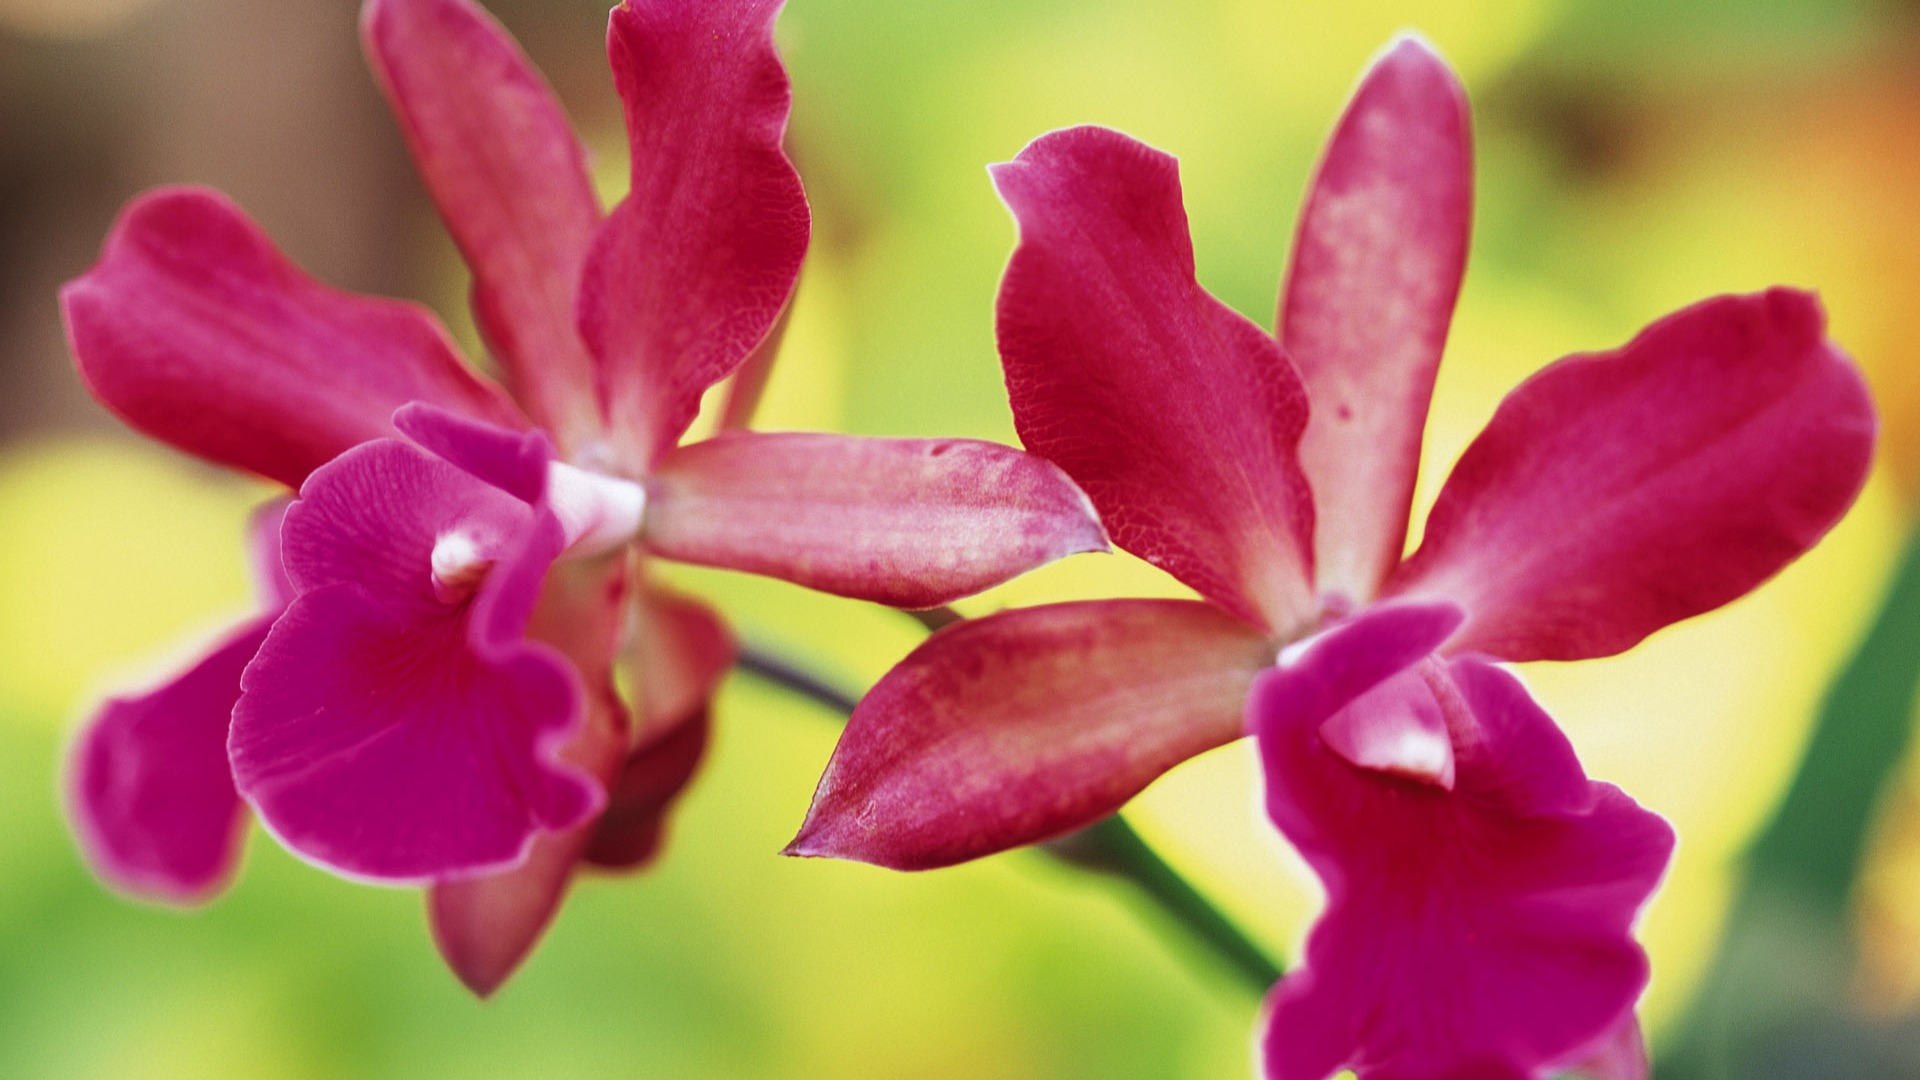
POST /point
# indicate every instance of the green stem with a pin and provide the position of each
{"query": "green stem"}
(1108, 847)
(1111, 847)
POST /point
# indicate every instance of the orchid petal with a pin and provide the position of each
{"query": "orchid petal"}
(1620, 1055)
(485, 927)
(1615, 493)
(150, 793)
(194, 329)
(677, 653)
(1376, 267)
(1483, 931)
(1020, 726)
(510, 178)
(629, 834)
(693, 267)
(750, 379)
(913, 523)
(1179, 417)
(388, 733)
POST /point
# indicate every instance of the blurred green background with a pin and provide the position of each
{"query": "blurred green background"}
(1633, 156)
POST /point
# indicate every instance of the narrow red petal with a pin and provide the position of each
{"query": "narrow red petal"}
(1376, 267)
(1179, 417)
(914, 523)
(1006, 730)
(511, 181)
(194, 329)
(693, 267)
(150, 792)
(1615, 493)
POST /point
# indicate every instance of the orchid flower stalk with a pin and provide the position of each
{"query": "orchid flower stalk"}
(1481, 889)
(429, 694)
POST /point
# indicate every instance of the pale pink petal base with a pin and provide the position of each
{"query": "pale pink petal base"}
(1376, 267)
(1621, 1055)
(912, 523)
(1024, 725)
(1481, 933)
(149, 789)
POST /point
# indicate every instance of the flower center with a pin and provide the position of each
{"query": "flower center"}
(599, 513)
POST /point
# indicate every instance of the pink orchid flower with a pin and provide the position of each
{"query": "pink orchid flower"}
(1481, 889)
(429, 696)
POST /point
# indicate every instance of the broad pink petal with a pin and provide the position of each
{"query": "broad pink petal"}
(914, 523)
(1482, 932)
(1179, 417)
(150, 793)
(1376, 267)
(193, 328)
(691, 270)
(1020, 726)
(1615, 493)
(385, 732)
(485, 927)
(510, 178)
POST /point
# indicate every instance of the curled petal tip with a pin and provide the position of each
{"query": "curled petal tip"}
(1412, 45)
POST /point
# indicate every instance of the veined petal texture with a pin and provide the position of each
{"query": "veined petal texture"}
(694, 265)
(500, 159)
(914, 523)
(1615, 493)
(1020, 726)
(1377, 264)
(391, 732)
(1177, 416)
(195, 329)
